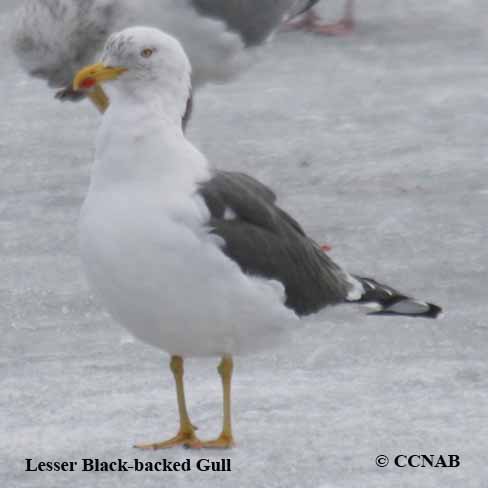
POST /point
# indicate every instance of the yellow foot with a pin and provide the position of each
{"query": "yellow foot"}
(181, 439)
(222, 442)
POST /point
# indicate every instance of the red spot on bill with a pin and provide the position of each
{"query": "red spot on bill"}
(88, 83)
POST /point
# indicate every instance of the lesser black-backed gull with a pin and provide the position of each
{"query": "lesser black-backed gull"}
(193, 261)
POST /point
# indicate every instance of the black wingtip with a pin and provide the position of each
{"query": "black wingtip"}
(388, 301)
(433, 312)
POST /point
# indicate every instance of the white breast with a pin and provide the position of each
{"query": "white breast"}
(167, 281)
(148, 252)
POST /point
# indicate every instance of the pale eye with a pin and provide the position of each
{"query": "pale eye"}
(147, 53)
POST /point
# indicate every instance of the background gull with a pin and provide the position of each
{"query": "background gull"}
(54, 38)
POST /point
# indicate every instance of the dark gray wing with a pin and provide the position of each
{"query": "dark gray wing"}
(265, 241)
(254, 20)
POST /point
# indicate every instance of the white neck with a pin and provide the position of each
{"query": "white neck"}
(141, 141)
(167, 96)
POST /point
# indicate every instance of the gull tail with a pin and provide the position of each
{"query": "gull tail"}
(388, 301)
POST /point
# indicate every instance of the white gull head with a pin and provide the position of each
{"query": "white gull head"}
(151, 68)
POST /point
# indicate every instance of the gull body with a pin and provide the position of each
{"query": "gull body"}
(193, 261)
(144, 235)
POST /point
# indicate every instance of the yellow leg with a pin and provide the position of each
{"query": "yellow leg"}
(99, 98)
(225, 439)
(186, 435)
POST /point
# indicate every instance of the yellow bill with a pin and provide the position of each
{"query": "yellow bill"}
(89, 79)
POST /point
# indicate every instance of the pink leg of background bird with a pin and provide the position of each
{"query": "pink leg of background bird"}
(311, 22)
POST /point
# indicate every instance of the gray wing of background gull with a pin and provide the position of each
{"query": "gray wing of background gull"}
(254, 20)
(265, 241)
(55, 38)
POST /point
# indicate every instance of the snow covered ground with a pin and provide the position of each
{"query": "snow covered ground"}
(378, 144)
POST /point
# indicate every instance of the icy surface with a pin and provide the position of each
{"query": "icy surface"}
(378, 142)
